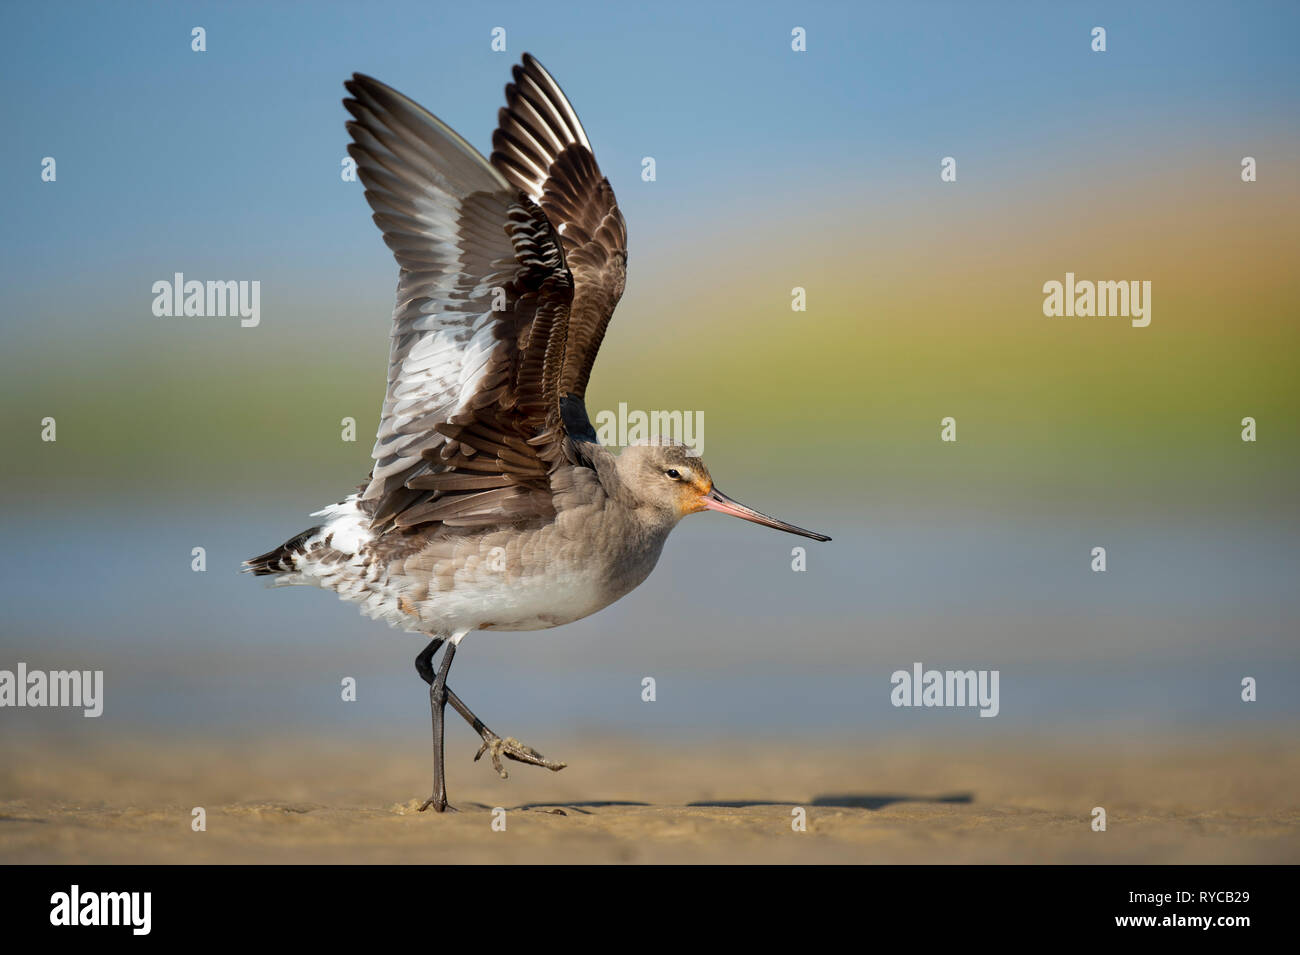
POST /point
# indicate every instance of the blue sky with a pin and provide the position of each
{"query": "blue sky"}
(225, 160)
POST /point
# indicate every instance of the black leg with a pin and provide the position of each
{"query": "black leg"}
(424, 662)
(493, 744)
(438, 704)
(497, 747)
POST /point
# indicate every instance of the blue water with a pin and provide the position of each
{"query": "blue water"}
(736, 641)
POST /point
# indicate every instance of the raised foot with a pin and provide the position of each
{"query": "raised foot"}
(511, 748)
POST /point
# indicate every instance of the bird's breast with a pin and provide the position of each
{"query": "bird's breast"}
(534, 577)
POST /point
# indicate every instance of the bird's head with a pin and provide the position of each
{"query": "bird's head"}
(675, 481)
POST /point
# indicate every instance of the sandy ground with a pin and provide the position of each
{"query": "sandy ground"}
(307, 800)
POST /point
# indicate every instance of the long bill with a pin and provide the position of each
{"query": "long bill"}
(715, 500)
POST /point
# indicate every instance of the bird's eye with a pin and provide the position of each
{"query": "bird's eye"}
(672, 473)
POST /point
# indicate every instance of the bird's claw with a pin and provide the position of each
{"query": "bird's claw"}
(511, 748)
(438, 805)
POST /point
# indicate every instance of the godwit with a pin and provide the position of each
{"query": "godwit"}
(491, 504)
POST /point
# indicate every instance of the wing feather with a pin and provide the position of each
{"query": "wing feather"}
(482, 297)
(542, 149)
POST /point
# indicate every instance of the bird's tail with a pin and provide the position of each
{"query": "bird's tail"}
(281, 559)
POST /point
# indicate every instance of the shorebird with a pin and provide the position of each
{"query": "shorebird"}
(491, 504)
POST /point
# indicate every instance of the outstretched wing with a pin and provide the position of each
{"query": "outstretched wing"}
(541, 148)
(470, 424)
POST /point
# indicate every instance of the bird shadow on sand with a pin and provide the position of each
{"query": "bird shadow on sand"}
(583, 808)
(872, 801)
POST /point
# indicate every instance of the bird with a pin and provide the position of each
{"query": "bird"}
(491, 504)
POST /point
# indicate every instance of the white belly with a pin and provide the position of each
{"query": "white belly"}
(532, 603)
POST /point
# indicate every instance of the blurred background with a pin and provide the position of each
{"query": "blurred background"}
(775, 169)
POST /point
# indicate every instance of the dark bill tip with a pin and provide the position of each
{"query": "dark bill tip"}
(715, 500)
